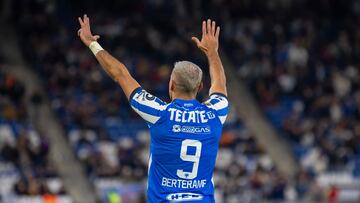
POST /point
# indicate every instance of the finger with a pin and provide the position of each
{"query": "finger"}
(79, 32)
(203, 28)
(80, 21)
(217, 33)
(87, 19)
(213, 27)
(96, 37)
(196, 41)
(208, 27)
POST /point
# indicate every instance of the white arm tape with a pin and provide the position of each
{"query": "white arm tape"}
(95, 47)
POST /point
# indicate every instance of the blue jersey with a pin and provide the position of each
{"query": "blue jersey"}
(185, 136)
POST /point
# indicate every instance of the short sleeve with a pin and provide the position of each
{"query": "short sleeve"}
(220, 104)
(149, 107)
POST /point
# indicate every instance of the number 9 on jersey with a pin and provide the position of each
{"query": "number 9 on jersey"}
(185, 144)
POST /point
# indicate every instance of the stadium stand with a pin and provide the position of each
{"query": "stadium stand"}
(303, 73)
(26, 173)
(303, 69)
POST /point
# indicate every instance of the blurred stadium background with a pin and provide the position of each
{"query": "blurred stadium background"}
(67, 133)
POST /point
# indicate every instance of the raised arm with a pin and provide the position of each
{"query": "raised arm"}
(114, 68)
(209, 44)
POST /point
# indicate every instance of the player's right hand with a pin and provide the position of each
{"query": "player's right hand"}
(209, 42)
(85, 33)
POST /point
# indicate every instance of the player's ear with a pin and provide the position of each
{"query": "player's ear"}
(201, 86)
(172, 85)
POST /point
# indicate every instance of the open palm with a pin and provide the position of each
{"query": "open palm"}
(210, 37)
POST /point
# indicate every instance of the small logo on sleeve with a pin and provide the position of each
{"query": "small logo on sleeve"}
(149, 97)
(210, 114)
(143, 95)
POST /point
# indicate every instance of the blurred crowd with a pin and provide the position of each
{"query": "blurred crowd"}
(300, 64)
(25, 168)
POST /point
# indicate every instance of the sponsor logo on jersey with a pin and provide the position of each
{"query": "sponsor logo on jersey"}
(191, 129)
(176, 128)
(195, 116)
(181, 197)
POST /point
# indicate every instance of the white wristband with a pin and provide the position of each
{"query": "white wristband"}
(95, 47)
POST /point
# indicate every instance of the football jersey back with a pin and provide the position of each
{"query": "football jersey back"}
(185, 136)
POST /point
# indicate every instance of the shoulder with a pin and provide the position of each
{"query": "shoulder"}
(147, 105)
(142, 96)
(219, 104)
(217, 101)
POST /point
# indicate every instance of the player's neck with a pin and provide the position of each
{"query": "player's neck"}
(183, 96)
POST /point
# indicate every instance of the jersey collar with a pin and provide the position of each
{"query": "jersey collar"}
(186, 103)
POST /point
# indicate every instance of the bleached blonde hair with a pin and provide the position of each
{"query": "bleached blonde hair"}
(187, 76)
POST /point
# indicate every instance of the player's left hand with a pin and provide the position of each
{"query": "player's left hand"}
(85, 33)
(209, 42)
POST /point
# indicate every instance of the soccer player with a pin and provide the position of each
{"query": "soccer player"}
(185, 133)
